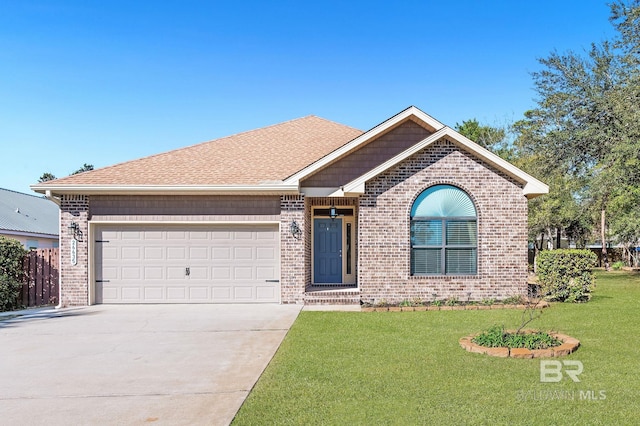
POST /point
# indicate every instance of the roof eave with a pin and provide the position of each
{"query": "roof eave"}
(261, 189)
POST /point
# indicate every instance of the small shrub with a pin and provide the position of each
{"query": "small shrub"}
(488, 302)
(566, 275)
(618, 265)
(11, 273)
(416, 301)
(405, 303)
(437, 303)
(514, 300)
(452, 301)
(497, 337)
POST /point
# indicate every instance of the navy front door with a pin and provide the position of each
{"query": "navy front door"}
(327, 251)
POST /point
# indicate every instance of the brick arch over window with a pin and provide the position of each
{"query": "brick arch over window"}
(444, 232)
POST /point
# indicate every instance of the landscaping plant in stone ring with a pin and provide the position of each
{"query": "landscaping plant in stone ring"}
(563, 276)
(521, 342)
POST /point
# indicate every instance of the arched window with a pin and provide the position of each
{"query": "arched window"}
(444, 232)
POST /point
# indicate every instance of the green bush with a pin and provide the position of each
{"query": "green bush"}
(11, 273)
(618, 265)
(566, 275)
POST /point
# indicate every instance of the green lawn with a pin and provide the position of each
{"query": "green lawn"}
(407, 368)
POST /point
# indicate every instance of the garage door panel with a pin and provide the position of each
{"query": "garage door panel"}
(221, 235)
(243, 253)
(130, 253)
(243, 235)
(199, 253)
(110, 253)
(198, 273)
(130, 294)
(273, 236)
(222, 253)
(151, 235)
(154, 273)
(265, 253)
(131, 273)
(187, 264)
(177, 294)
(242, 273)
(109, 293)
(176, 253)
(153, 253)
(221, 273)
(199, 235)
(154, 294)
(243, 293)
(176, 273)
(265, 273)
(265, 292)
(199, 293)
(177, 235)
(130, 235)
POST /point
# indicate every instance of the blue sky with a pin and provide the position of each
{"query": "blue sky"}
(102, 82)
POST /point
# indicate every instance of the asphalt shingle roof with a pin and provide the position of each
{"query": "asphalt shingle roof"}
(258, 156)
(27, 213)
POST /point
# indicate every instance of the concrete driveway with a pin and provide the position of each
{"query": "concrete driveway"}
(142, 364)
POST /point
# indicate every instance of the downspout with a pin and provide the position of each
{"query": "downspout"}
(50, 196)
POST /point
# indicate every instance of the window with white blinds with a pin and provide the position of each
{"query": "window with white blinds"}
(444, 232)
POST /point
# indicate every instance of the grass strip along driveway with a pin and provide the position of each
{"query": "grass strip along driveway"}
(408, 368)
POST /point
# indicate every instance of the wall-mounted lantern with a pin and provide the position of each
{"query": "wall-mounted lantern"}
(333, 212)
(295, 230)
(74, 231)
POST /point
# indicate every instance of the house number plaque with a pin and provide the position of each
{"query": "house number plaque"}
(74, 252)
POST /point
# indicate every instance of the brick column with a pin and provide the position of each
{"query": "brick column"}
(293, 249)
(74, 279)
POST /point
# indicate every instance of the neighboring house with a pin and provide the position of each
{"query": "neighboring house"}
(306, 211)
(32, 220)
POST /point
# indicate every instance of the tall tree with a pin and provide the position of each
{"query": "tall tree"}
(47, 176)
(585, 125)
(495, 139)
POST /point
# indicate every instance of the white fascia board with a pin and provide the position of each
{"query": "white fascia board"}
(363, 138)
(532, 186)
(167, 189)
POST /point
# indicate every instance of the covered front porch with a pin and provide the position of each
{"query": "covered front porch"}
(332, 251)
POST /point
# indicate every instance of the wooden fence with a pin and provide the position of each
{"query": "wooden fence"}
(42, 278)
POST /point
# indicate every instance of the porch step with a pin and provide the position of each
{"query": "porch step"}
(332, 296)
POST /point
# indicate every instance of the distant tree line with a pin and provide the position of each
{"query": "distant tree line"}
(47, 176)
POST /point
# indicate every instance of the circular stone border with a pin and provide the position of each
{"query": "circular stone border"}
(569, 345)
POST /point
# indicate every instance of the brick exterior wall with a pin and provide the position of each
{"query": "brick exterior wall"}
(74, 279)
(384, 229)
(294, 252)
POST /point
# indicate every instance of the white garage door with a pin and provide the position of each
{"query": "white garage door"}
(187, 264)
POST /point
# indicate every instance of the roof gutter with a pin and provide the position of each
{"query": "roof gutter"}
(49, 196)
(260, 189)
